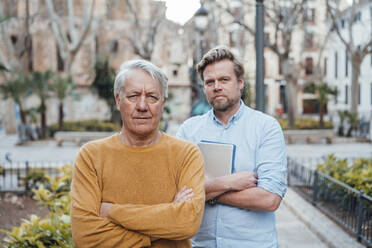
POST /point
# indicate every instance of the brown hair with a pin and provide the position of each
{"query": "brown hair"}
(217, 54)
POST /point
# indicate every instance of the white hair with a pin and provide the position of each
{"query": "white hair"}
(144, 65)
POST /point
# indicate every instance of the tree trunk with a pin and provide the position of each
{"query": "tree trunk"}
(291, 97)
(321, 114)
(43, 119)
(355, 73)
(348, 134)
(60, 116)
(22, 113)
(341, 129)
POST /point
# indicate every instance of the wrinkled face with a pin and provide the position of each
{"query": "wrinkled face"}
(141, 103)
(221, 86)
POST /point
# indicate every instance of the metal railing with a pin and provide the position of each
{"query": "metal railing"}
(350, 208)
(12, 174)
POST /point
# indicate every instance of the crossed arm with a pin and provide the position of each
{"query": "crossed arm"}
(240, 190)
(261, 191)
(134, 225)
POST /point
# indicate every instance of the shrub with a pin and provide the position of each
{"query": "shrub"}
(305, 123)
(53, 230)
(89, 125)
(358, 175)
(34, 178)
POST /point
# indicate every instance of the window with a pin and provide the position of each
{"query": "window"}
(28, 46)
(114, 46)
(14, 39)
(346, 63)
(96, 47)
(346, 94)
(359, 95)
(267, 38)
(310, 15)
(358, 16)
(325, 66)
(309, 40)
(336, 64)
(371, 93)
(308, 66)
(336, 95)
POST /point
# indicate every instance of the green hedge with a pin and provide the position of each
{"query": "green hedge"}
(89, 125)
(358, 174)
(305, 123)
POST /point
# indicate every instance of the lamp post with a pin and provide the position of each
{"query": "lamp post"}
(260, 89)
(201, 23)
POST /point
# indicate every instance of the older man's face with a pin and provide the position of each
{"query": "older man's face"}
(141, 104)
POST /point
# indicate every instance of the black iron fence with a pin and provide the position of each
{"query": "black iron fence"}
(352, 209)
(12, 174)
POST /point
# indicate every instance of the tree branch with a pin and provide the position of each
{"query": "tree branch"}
(86, 27)
(335, 26)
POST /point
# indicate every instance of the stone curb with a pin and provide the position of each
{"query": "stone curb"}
(327, 231)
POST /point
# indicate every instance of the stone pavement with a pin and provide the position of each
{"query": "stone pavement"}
(340, 150)
(299, 223)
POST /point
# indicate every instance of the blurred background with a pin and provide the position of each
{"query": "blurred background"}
(308, 63)
(58, 58)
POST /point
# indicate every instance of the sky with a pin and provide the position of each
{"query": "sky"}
(181, 11)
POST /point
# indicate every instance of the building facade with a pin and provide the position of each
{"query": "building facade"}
(338, 63)
(112, 35)
(308, 36)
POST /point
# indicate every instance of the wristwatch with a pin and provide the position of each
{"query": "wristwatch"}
(212, 201)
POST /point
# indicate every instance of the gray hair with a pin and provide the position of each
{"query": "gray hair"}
(144, 65)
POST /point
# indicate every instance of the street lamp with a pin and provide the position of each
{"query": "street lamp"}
(201, 24)
(200, 105)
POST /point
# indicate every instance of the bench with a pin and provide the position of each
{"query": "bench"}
(312, 136)
(79, 137)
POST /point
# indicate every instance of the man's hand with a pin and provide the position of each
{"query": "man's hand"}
(242, 180)
(183, 195)
(105, 208)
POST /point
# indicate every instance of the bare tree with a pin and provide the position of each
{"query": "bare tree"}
(15, 47)
(144, 29)
(356, 52)
(70, 39)
(284, 17)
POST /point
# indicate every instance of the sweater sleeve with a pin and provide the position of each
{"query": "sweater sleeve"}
(88, 228)
(174, 221)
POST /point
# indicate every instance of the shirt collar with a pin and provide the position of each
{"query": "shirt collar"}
(233, 119)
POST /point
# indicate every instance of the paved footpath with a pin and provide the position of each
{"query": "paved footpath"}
(300, 224)
(292, 232)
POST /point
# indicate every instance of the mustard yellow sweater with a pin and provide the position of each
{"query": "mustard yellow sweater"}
(142, 183)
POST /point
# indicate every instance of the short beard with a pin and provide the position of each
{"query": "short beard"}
(224, 106)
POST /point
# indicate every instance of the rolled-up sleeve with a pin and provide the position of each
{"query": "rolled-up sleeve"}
(272, 160)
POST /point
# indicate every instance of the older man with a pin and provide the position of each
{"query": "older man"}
(139, 187)
(240, 207)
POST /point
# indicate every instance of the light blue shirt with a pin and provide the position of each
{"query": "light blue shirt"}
(260, 147)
